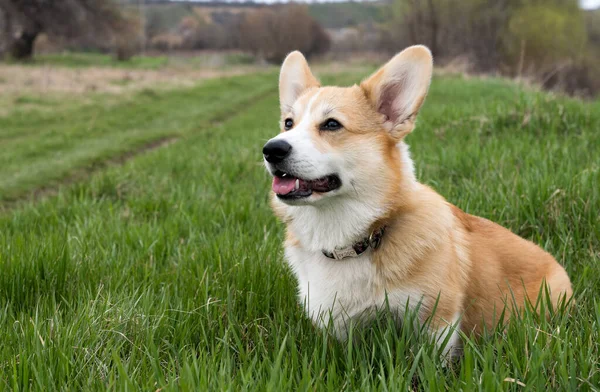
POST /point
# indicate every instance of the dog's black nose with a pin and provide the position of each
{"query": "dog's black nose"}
(275, 151)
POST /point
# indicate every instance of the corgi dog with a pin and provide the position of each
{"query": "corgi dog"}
(364, 234)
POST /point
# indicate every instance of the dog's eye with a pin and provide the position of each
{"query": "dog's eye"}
(288, 124)
(330, 125)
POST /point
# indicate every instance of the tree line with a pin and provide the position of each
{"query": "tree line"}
(100, 21)
(553, 40)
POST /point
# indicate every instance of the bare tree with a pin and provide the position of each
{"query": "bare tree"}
(5, 29)
(433, 26)
(63, 18)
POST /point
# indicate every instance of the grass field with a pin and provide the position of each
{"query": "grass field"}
(84, 60)
(166, 273)
(42, 147)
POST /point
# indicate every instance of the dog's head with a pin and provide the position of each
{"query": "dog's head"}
(343, 142)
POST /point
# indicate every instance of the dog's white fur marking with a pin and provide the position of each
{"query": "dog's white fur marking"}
(332, 224)
(339, 292)
(332, 291)
(450, 332)
(408, 166)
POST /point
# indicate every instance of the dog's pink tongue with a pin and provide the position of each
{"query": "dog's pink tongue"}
(283, 185)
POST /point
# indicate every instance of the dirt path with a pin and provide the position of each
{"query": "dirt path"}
(19, 79)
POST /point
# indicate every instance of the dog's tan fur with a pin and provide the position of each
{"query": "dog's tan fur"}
(467, 264)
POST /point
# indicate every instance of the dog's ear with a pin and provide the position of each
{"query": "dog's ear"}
(398, 89)
(294, 79)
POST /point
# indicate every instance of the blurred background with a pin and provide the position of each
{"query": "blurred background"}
(555, 43)
(137, 248)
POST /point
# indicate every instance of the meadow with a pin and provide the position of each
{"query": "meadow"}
(138, 251)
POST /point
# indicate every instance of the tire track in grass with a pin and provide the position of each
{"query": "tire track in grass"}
(78, 174)
(82, 173)
(83, 135)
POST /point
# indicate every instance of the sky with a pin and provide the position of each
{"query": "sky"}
(588, 4)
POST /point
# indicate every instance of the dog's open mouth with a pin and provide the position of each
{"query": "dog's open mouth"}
(286, 186)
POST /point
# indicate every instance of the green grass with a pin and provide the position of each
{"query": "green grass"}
(41, 147)
(141, 62)
(82, 60)
(167, 273)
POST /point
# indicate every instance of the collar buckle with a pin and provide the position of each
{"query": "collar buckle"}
(375, 237)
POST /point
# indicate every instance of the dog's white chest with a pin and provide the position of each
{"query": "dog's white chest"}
(338, 291)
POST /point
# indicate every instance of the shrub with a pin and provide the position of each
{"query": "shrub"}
(450, 28)
(552, 41)
(543, 37)
(271, 33)
(221, 33)
(580, 79)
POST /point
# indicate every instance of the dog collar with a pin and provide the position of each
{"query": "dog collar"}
(372, 241)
